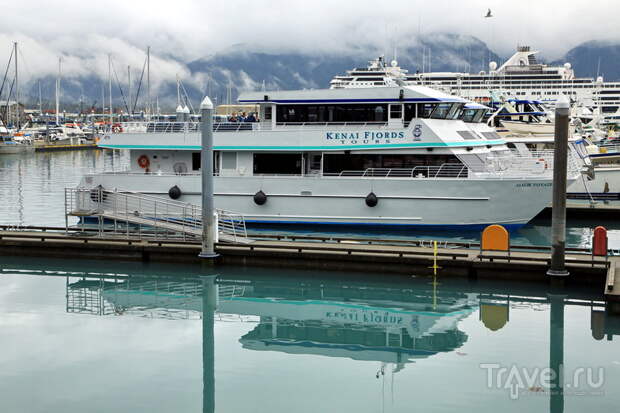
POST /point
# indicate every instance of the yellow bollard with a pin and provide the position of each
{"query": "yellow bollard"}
(435, 267)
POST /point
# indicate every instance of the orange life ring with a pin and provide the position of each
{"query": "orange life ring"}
(144, 161)
(117, 128)
(544, 162)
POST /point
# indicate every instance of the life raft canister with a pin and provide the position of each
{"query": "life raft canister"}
(144, 161)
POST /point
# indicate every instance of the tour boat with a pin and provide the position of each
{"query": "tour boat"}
(392, 155)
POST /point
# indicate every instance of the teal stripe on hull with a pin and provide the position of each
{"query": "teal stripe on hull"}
(310, 148)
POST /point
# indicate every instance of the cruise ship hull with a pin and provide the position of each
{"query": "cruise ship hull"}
(342, 200)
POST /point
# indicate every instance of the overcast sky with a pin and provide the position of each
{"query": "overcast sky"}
(85, 31)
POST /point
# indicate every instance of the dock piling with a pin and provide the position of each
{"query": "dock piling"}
(206, 166)
(558, 209)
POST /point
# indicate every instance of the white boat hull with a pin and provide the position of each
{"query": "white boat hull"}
(341, 200)
(522, 128)
(15, 149)
(604, 186)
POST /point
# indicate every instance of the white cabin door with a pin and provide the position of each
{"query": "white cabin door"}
(395, 115)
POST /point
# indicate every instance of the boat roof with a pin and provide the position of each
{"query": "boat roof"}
(475, 105)
(521, 101)
(355, 95)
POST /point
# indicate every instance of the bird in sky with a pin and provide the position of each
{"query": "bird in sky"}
(489, 14)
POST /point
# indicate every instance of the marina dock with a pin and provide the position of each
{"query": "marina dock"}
(387, 256)
(49, 147)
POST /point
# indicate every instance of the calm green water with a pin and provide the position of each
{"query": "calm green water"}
(32, 193)
(126, 337)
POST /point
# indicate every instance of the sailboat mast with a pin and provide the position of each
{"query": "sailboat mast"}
(129, 88)
(110, 86)
(148, 80)
(40, 105)
(58, 92)
(16, 88)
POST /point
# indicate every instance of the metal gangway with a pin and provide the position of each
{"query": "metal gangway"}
(132, 213)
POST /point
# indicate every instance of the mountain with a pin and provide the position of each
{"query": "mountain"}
(246, 67)
(242, 68)
(595, 58)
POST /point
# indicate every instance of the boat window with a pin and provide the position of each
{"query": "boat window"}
(361, 113)
(396, 111)
(479, 115)
(409, 112)
(277, 163)
(468, 115)
(195, 161)
(268, 111)
(425, 109)
(357, 164)
(441, 111)
(454, 110)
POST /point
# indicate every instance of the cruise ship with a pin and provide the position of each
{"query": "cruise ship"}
(522, 76)
(384, 155)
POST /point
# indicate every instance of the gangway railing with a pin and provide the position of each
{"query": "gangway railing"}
(150, 216)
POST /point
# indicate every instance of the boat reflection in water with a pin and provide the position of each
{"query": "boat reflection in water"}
(390, 324)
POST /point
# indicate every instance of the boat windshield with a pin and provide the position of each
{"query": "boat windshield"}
(446, 111)
(472, 115)
(479, 115)
(468, 115)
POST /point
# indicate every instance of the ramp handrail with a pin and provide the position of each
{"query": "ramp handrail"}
(160, 214)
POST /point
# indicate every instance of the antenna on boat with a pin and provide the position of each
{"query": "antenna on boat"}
(178, 91)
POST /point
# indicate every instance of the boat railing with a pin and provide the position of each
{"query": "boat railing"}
(166, 217)
(447, 170)
(522, 165)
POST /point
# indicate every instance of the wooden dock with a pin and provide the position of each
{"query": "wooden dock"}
(612, 285)
(341, 255)
(50, 147)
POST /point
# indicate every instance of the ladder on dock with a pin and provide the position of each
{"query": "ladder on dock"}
(149, 215)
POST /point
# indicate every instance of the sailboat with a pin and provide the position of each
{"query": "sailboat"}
(10, 141)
